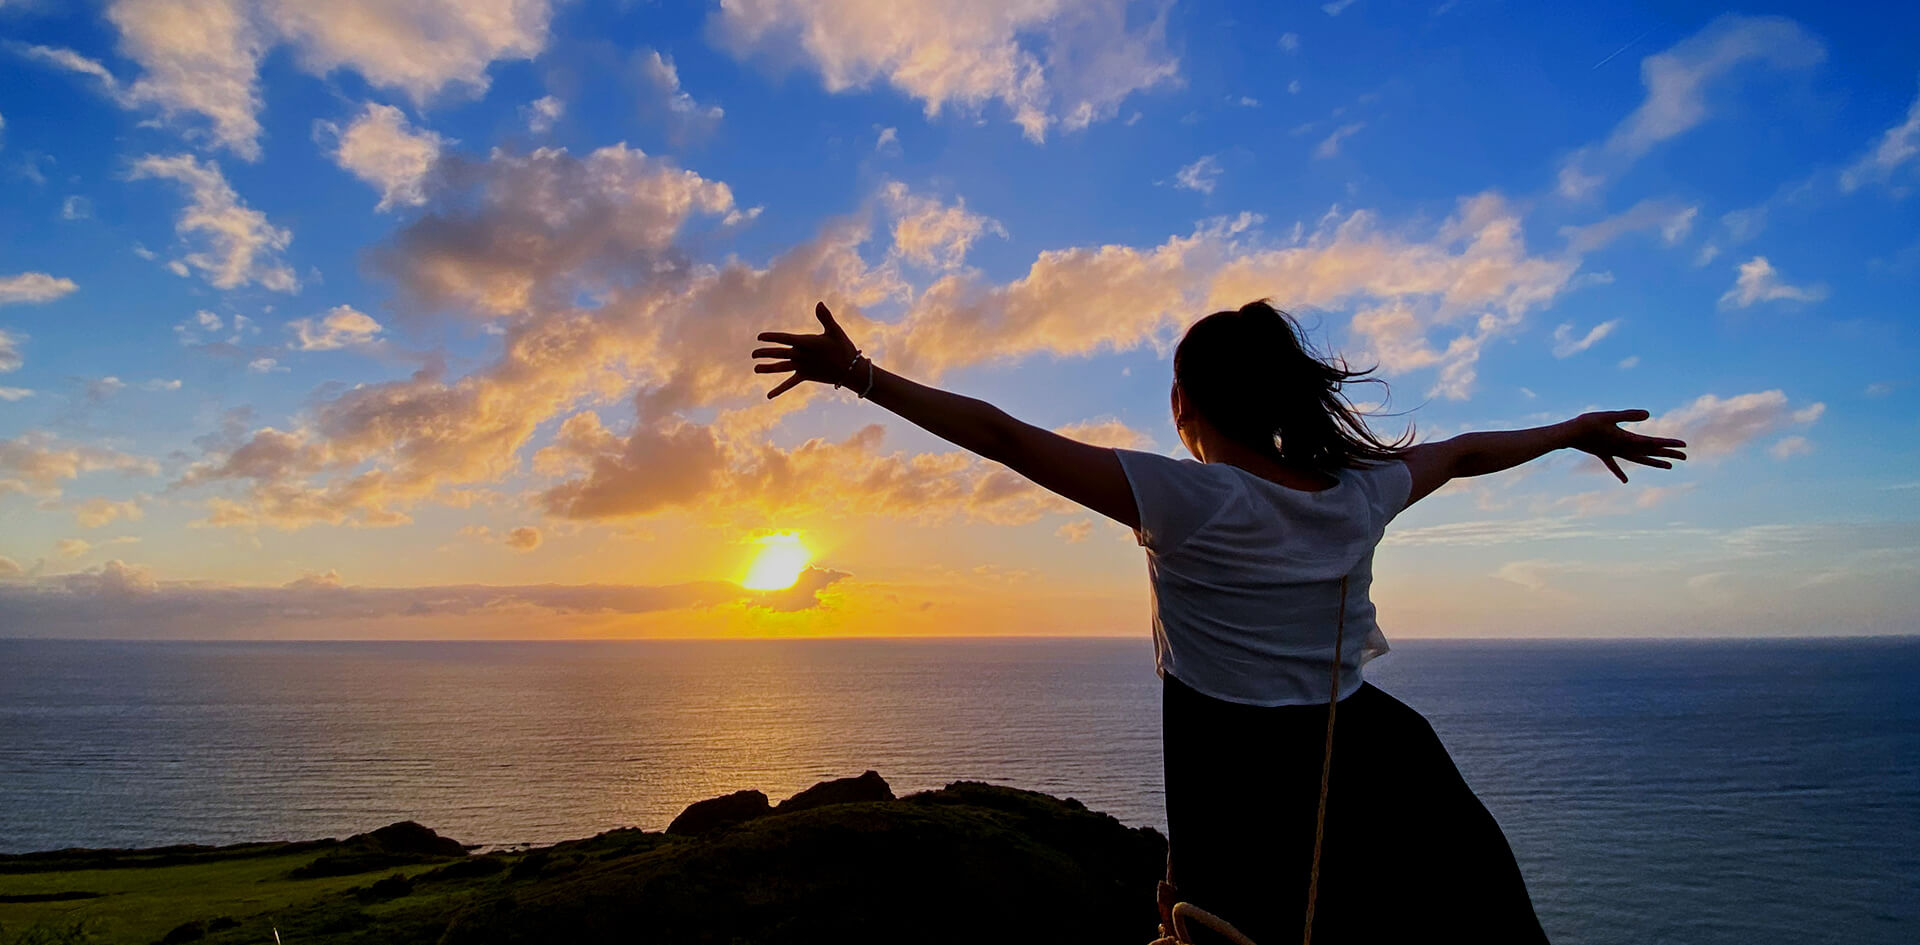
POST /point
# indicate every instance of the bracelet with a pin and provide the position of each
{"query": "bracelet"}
(869, 390)
(850, 366)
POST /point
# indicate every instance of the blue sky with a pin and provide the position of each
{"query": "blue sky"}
(369, 319)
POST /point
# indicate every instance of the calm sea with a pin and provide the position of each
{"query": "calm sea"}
(1699, 793)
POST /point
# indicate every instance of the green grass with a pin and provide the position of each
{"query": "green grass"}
(142, 904)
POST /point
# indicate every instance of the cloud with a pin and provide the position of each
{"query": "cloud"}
(542, 113)
(343, 326)
(11, 394)
(265, 366)
(1201, 175)
(524, 538)
(1330, 146)
(932, 234)
(888, 142)
(38, 464)
(1715, 427)
(201, 57)
(196, 57)
(381, 148)
(118, 598)
(10, 357)
(74, 62)
(1076, 531)
(1337, 7)
(76, 207)
(1671, 220)
(33, 287)
(1896, 148)
(516, 231)
(1565, 345)
(10, 568)
(687, 115)
(1760, 282)
(1064, 62)
(98, 512)
(1678, 80)
(1789, 447)
(1290, 42)
(238, 246)
(580, 261)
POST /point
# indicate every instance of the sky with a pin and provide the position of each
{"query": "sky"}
(432, 318)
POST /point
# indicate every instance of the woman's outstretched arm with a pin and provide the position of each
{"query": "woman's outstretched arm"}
(1087, 474)
(1477, 454)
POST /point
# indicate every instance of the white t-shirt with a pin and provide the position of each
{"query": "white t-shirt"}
(1246, 574)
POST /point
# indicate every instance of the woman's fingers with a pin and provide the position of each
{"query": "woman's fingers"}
(777, 367)
(774, 352)
(785, 386)
(1655, 463)
(780, 337)
(826, 320)
(1615, 467)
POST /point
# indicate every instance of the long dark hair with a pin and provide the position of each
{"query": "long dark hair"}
(1252, 374)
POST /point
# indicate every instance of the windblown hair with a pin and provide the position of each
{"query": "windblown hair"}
(1252, 374)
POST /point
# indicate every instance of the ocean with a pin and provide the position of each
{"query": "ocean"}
(1655, 792)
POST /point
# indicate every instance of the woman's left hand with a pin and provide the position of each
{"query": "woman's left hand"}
(828, 357)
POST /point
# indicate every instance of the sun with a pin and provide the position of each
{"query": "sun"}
(782, 557)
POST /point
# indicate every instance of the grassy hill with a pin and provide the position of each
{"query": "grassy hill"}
(967, 863)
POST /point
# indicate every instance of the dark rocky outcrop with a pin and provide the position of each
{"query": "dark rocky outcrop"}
(398, 844)
(839, 862)
(867, 787)
(716, 812)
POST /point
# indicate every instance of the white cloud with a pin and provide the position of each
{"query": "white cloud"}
(932, 234)
(689, 115)
(542, 113)
(1678, 80)
(1671, 220)
(265, 366)
(888, 142)
(1760, 282)
(74, 62)
(1896, 147)
(342, 326)
(1629, 362)
(1331, 145)
(1201, 175)
(1076, 531)
(1337, 7)
(201, 57)
(1713, 426)
(11, 394)
(76, 207)
(37, 464)
(1789, 447)
(1293, 87)
(1290, 42)
(383, 149)
(10, 357)
(1065, 62)
(1565, 345)
(239, 246)
(33, 287)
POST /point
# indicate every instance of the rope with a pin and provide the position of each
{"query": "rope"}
(1326, 767)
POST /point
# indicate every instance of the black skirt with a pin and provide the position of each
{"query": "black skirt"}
(1410, 853)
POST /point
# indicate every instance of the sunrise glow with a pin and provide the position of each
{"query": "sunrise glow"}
(778, 564)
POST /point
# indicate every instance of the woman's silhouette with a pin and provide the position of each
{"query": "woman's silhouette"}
(1259, 554)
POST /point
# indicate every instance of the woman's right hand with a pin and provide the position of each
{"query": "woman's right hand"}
(1599, 433)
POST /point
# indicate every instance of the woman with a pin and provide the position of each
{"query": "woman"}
(1261, 557)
